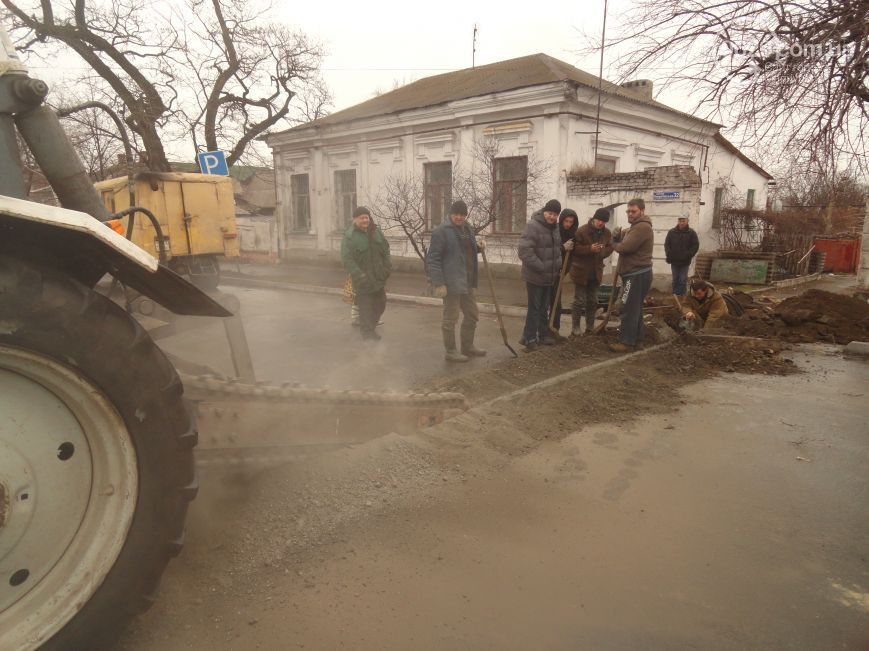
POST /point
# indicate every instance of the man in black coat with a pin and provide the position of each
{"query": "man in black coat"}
(680, 248)
(452, 268)
(540, 252)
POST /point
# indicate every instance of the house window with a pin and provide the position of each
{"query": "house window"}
(438, 192)
(301, 220)
(345, 196)
(511, 193)
(716, 207)
(749, 200)
(604, 165)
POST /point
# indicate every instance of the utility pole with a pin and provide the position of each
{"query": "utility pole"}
(474, 48)
(600, 84)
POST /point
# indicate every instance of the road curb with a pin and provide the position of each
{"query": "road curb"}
(246, 281)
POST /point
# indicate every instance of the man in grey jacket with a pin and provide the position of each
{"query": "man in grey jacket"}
(540, 253)
(452, 268)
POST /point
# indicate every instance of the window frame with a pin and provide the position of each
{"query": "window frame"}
(717, 203)
(340, 195)
(295, 196)
(518, 217)
(429, 190)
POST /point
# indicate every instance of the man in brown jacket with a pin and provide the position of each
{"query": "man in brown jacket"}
(703, 306)
(634, 247)
(591, 245)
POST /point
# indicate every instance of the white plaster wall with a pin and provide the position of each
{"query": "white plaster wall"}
(545, 122)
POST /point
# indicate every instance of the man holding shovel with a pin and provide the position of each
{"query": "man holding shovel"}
(452, 269)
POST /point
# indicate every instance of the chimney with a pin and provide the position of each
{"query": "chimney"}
(641, 86)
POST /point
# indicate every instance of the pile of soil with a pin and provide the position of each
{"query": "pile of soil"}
(529, 368)
(689, 358)
(815, 315)
(648, 383)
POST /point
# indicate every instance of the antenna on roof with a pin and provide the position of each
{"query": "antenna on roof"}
(600, 84)
(474, 48)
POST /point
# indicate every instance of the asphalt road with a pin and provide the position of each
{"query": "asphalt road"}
(307, 338)
(735, 521)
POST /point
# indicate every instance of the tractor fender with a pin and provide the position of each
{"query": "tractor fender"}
(87, 249)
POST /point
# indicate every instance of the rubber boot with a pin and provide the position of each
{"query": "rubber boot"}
(452, 355)
(576, 330)
(468, 347)
(590, 316)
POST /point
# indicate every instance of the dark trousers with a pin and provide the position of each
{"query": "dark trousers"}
(680, 278)
(467, 304)
(536, 319)
(371, 307)
(634, 290)
(585, 302)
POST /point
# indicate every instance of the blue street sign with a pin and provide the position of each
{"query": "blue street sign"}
(213, 162)
(670, 195)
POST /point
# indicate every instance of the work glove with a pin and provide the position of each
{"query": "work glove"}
(481, 245)
(568, 245)
(440, 291)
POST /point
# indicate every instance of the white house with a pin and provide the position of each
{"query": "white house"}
(536, 108)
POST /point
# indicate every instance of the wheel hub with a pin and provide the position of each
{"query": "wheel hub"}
(68, 487)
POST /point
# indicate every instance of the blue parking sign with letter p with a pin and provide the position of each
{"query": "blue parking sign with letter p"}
(213, 162)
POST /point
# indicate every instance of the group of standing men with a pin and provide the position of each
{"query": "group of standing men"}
(552, 234)
(549, 237)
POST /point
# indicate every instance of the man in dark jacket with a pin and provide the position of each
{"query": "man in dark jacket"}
(634, 247)
(680, 246)
(452, 269)
(591, 245)
(365, 254)
(540, 253)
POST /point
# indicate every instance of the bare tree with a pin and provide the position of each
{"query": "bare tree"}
(400, 204)
(400, 201)
(791, 73)
(241, 76)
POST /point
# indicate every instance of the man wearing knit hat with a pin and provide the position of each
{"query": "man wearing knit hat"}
(592, 244)
(365, 254)
(540, 253)
(452, 269)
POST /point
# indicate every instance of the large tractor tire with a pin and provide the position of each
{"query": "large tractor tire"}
(96, 463)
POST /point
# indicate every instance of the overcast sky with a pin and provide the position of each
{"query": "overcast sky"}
(372, 46)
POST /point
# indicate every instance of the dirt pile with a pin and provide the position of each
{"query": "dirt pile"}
(815, 315)
(691, 358)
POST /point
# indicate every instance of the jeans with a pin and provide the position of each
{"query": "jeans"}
(536, 319)
(680, 278)
(371, 308)
(634, 289)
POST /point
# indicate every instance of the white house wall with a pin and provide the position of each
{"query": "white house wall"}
(554, 123)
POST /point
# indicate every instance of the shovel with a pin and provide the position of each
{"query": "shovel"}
(606, 317)
(553, 311)
(495, 301)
